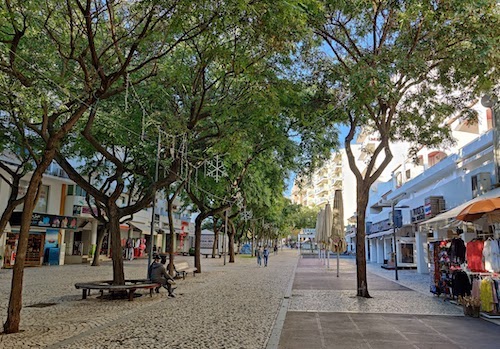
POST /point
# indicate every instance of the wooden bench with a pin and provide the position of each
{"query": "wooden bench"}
(130, 286)
(182, 269)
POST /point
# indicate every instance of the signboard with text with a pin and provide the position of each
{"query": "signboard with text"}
(45, 220)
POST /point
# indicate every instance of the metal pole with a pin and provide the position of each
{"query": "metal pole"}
(253, 239)
(395, 243)
(150, 256)
(224, 240)
(338, 261)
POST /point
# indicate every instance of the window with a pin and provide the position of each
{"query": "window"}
(408, 174)
(407, 253)
(399, 179)
(79, 191)
(76, 190)
(43, 197)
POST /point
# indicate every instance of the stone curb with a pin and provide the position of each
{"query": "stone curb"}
(279, 321)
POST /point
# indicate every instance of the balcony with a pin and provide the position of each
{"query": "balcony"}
(321, 179)
(56, 171)
(476, 146)
(320, 190)
(321, 201)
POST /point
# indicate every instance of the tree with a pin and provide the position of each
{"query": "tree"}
(60, 59)
(399, 69)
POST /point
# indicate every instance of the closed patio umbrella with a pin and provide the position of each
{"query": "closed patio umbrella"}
(327, 230)
(337, 236)
(319, 228)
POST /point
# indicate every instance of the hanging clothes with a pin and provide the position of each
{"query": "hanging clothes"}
(475, 255)
(491, 253)
(461, 285)
(476, 285)
(457, 251)
(487, 255)
(486, 291)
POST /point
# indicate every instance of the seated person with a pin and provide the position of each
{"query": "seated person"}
(158, 273)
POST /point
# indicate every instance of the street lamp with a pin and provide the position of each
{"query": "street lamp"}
(392, 204)
(490, 101)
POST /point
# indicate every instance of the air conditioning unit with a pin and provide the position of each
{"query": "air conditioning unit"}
(481, 183)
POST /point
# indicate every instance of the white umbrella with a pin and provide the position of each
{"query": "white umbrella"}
(327, 229)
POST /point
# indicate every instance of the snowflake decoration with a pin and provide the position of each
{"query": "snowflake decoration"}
(246, 215)
(215, 169)
(239, 201)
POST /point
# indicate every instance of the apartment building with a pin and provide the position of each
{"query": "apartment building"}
(427, 194)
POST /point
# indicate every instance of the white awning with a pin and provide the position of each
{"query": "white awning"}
(456, 210)
(380, 233)
(144, 228)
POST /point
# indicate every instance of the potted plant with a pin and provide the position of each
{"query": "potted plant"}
(471, 305)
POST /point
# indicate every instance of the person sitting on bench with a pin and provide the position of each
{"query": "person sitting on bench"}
(157, 273)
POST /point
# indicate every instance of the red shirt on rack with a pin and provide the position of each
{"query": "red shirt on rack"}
(474, 255)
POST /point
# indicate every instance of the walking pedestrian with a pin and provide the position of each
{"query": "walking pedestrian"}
(275, 250)
(266, 255)
(258, 254)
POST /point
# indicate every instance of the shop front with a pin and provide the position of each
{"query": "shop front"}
(464, 258)
(43, 240)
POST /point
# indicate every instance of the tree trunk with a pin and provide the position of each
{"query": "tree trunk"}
(11, 325)
(362, 202)
(116, 248)
(215, 245)
(216, 238)
(197, 241)
(101, 232)
(171, 229)
(231, 234)
(11, 204)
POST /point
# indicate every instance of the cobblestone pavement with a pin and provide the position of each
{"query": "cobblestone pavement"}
(231, 306)
(324, 312)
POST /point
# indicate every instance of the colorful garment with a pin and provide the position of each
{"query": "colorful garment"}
(475, 255)
(486, 295)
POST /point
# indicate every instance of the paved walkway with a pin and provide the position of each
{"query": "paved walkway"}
(293, 303)
(324, 312)
(231, 306)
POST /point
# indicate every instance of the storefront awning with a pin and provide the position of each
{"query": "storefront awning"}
(379, 234)
(456, 210)
(144, 228)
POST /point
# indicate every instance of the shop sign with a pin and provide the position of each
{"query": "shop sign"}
(418, 214)
(380, 226)
(45, 220)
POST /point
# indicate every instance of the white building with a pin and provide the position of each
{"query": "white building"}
(62, 224)
(431, 193)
